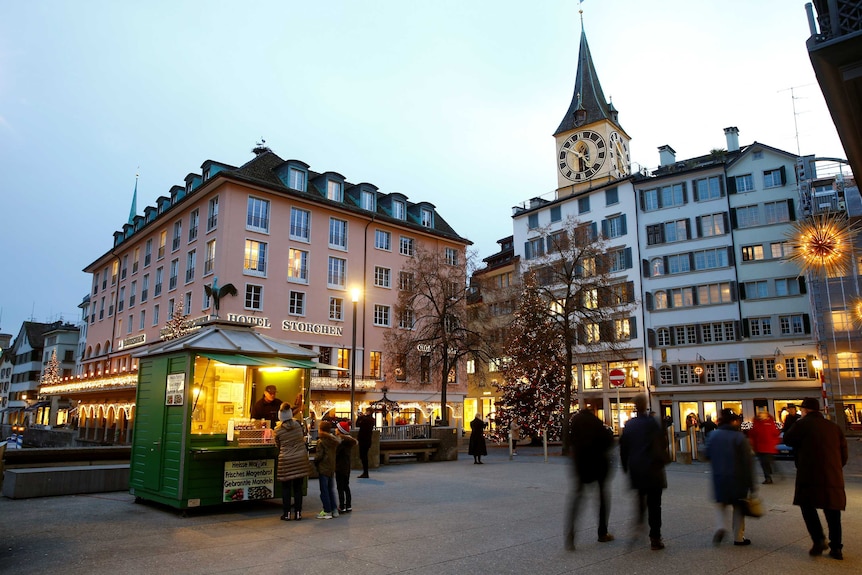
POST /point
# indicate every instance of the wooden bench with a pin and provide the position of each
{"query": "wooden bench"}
(22, 483)
(419, 448)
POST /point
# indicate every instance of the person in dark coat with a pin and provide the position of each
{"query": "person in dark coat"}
(644, 454)
(821, 454)
(477, 447)
(590, 441)
(732, 474)
(365, 423)
(789, 419)
(343, 463)
(708, 427)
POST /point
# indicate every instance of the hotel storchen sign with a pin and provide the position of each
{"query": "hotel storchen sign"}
(315, 328)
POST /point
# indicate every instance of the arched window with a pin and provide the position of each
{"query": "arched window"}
(660, 299)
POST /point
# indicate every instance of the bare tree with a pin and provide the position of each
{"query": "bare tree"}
(586, 299)
(432, 331)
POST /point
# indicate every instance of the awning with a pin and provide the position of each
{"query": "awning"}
(234, 359)
(37, 405)
(238, 359)
(11, 409)
(308, 364)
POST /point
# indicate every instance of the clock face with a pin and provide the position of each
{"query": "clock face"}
(620, 153)
(582, 155)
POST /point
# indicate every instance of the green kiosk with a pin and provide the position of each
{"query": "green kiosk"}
(194, 442)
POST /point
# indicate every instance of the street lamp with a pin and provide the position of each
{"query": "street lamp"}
(354, 294)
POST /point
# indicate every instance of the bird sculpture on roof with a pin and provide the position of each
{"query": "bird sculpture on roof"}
(216, 293)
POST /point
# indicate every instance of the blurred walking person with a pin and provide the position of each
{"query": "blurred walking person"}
(821, 454)
(644, 454)
(732, 475)
(764, 438)
(590, 441)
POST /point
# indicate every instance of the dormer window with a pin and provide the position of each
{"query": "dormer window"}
(206, 174)
(427, 218)
(367, 201)
(398, 209)
(296, 179)
(334, 191)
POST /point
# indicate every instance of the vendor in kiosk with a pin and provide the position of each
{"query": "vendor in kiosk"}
(267, 406)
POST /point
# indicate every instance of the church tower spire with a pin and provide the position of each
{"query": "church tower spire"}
(592, 147)
(588, 94)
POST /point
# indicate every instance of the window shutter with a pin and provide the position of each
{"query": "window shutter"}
(648, 301)
(734, 292)
(806, 323)
(721, 186)
(741, 291)
(745, 331)
(730, 256)
(623, 226)
(688, 228)
(749, 364)
(594, 230)
(630, 292)
(549, 245)
(651, 338)
(628, 256)
(605, 226)
(633, 327)
(528, 254)
(694, 191)
(791, 211)
(741, 372)
(684, 193)
(731, 185)
(698, 227)
(733, 218)
(783, 175)
(698, 335)
(737, 330)
(672, 335)
(691, 260)
(726, 222)
(802, 287)
(645, 271)
(652, 376)
(642, 202)
(664, 263)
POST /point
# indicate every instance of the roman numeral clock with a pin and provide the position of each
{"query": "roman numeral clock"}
(582, 155)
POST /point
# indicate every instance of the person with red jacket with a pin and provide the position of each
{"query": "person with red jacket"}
(764, 438)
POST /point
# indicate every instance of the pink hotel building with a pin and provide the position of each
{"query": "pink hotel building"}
(294, 243)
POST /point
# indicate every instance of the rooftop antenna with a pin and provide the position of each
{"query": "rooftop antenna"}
(793, 99)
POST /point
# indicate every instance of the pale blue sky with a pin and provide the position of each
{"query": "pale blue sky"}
(450, 101)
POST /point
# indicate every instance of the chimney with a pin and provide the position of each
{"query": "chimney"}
(732, 135)
(666, 155)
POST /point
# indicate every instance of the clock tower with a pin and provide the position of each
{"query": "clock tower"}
(592, 149)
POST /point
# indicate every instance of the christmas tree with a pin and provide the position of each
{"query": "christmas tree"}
(534, 375)
(176, 326)
(52, 374)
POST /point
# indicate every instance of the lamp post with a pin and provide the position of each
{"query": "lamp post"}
(355, 297)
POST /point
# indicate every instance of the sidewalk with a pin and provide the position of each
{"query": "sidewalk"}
(420, 518)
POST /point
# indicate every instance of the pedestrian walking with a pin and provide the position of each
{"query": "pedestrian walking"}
(477, 447)
(365, 423)
(821, 454)
(644, 455)
(590, 441)
(729, 454)
(293, 465)
(764, 437)
(343, 463)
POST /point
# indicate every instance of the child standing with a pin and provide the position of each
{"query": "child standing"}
(343, 460)
(324, 461)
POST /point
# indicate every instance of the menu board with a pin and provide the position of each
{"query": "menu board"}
(175, 389)
(247, 480)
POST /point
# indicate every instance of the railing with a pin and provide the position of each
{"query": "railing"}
(325, 383)
(411, 431)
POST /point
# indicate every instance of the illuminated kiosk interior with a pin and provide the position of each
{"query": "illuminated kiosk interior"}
(194, 444)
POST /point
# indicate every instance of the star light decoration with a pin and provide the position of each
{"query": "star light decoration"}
(823, 243)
